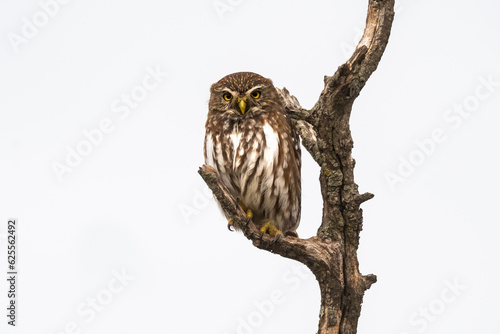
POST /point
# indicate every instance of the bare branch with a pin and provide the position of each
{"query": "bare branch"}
(299, 116)
(344, 86)
(292, 105)
(307, 251)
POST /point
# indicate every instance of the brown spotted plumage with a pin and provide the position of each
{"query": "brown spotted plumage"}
(255, 150)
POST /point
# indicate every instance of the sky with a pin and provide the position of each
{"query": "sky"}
(102, 117)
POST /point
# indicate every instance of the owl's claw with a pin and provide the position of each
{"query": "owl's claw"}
(271, 229)
(249, 217)
(238, 201)
(230, 224)
(277, 237)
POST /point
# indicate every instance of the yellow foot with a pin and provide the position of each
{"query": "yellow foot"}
(249, 212)
(242, 205)
(270, 229)
(249, 216)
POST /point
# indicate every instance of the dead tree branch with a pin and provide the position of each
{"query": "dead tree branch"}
(325, 133)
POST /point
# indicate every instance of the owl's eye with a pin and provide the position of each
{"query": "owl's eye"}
(227, 96)
(255, 94)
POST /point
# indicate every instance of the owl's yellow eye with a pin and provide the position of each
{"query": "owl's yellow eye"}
(255, 94)
(227, 96)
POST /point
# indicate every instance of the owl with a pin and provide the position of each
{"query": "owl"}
(255, 150)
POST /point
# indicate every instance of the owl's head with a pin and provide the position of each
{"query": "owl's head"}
(244, 95)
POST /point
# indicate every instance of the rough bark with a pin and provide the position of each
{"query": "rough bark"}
(332, 253)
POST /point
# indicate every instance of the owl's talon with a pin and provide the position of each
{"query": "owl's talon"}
(277, 237)
(238, 201)
(230, 224)
(270, 229)
(249, 217)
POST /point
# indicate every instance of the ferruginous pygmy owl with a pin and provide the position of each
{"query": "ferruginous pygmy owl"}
(255, 150)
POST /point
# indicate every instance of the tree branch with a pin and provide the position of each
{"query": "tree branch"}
(302, 250)
(299, 117)
(325, 133)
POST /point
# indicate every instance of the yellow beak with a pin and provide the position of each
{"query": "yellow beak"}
(243, 105)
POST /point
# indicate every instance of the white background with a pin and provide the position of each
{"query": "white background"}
(134, 205)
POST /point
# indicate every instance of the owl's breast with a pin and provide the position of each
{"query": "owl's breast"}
(234, 139)
(254, 148)
(256, 158)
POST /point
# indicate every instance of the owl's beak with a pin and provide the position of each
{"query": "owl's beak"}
(242, 102)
